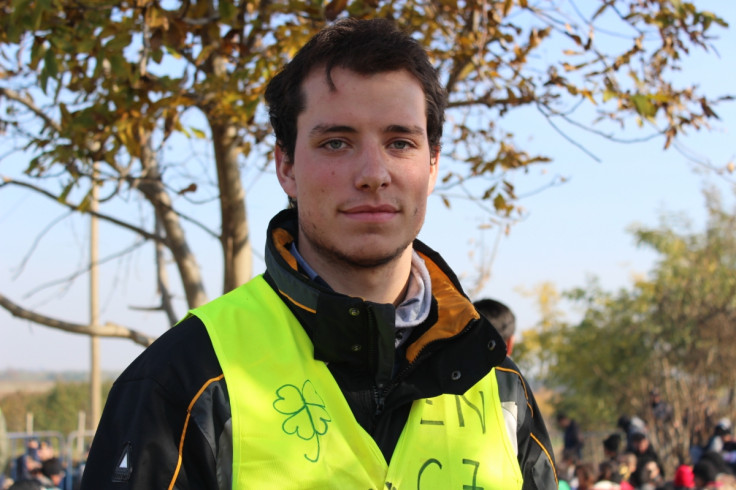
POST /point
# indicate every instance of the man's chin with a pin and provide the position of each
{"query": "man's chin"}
(371, 262)
(370, 257)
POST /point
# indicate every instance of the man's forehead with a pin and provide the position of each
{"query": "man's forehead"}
(327, 73)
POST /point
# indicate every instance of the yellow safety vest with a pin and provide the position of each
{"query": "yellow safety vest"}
(293, 428)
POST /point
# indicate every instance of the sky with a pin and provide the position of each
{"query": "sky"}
(571, 232)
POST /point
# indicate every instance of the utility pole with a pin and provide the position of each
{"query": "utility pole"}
(95, 382)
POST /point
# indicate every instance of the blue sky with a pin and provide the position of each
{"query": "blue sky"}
(572, 231)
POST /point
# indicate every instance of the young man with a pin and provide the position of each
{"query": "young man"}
(355, 360)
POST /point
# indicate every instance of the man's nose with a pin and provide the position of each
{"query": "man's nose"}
(373, 172)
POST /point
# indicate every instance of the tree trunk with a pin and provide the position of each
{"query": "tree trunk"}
(235, 239)
(153, 189)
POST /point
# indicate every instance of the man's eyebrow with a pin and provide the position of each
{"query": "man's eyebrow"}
(411, 130)
(323, 129)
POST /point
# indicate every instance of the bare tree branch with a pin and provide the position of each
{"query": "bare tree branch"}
(28, 102)
(85, 270)
(135, 229)
(107, 330)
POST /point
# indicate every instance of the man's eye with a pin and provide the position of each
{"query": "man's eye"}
(334, 145)
(401, 144)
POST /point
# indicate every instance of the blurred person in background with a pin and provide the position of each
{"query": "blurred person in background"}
(572, 437)
(611, 445)
(646, 455)
(501, 317)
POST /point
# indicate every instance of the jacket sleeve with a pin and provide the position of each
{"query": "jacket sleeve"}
(535, 455)
(163, 420)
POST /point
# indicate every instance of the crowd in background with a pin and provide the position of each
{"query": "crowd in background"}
(631, 462)
(38, 467)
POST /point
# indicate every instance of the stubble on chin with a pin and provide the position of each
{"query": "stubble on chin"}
(360, 258)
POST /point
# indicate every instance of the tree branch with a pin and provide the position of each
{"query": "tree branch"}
(28, 102)
(140, 231)
(106, 330)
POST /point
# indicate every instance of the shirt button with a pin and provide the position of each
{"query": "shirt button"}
(354, 311)
(492, 345)
(356, 348)
(456, 375)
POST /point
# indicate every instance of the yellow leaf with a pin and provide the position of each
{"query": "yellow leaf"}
(507, 7)
(155, 17)
(588, 95)
(467, 69)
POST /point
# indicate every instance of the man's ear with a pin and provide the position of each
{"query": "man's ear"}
(285, 172)
(434, 170)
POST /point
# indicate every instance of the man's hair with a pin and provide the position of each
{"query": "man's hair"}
(499, 315)
(364, 47)
(612, 442)
(52, 467)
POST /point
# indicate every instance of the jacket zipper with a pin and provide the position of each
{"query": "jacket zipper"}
(380, 394)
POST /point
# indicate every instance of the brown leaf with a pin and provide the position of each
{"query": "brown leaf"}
(190, 188)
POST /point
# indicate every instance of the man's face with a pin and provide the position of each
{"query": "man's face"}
(641, 445)
(361, 171)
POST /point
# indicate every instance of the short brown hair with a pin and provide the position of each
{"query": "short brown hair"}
(365, 47)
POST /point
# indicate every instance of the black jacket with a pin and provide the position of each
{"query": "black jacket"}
(173, 398)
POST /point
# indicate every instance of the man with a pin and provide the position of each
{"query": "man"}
(355, 360)
(648, 463)
(572, 438)
(501, 317)
(611, 445)
(52, 473)
(631, 426)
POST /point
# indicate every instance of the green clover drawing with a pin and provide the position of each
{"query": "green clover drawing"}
(307, 415)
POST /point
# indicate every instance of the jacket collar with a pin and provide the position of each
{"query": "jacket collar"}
(350, 330)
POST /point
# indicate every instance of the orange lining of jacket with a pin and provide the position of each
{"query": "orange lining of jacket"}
(186, 424)
(454, 311)
(281, 238)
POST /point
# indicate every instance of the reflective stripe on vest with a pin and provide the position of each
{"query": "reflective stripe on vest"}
(293, 428)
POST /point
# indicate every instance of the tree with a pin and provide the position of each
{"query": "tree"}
(672, 331)
(54, 410)
(121, 86)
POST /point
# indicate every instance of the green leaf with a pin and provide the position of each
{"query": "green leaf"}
(227, 10)
(119, 65)
(38, 50)
(608, 95)
(198, 133)
(49, 59)
(644, 106)
(65, 192)
(157, 55)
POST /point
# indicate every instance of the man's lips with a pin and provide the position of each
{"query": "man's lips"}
(372, 213)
